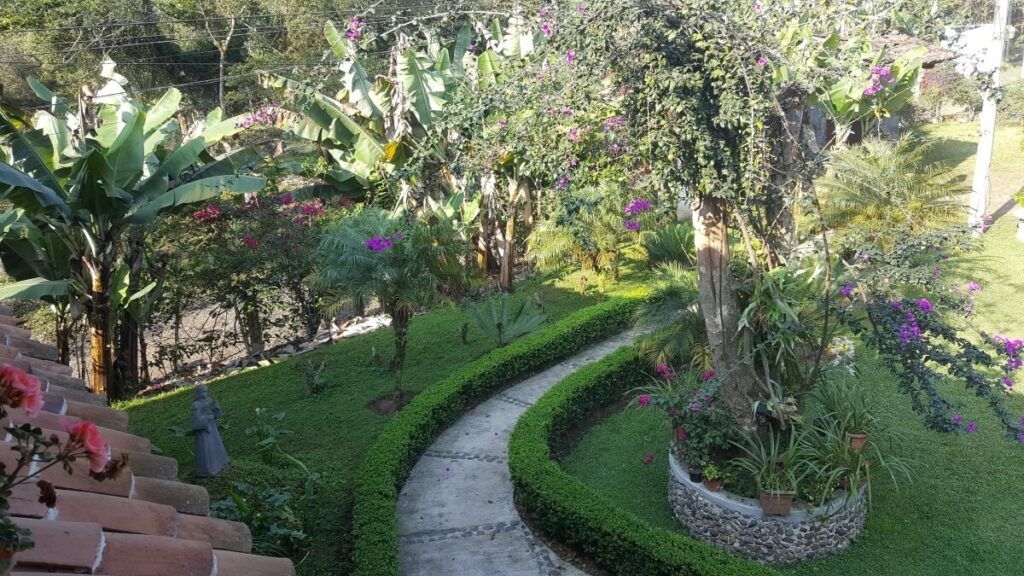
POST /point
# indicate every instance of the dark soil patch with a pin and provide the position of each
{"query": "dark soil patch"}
(388, 404)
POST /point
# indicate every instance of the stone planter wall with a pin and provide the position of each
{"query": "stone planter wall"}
(737, 525)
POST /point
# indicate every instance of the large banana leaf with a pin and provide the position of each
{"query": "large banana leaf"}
(339, 44)
(58, 105)
(423, 84)
(196, 191)
(25, 155)
(361, 93)
(127, 153)
(487, 68)
(28, 193)
(460, 49)
(367, 146)
(94, 181)
(164, 109)
(34, 289)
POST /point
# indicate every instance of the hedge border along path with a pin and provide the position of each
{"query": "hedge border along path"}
(415, 427)
(571, 512)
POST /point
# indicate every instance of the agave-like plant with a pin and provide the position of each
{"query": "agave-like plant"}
(881, 187)
(503, 320)
(672, 321)
(77, 185)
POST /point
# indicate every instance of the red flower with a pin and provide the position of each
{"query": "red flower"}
(87, 435)
(19, 390)
(250, 241)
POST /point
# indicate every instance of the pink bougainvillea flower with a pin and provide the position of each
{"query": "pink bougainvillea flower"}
(86, 435)
(924, 305)
(250, 241)
(632, 225)
(847, 289)
(570, 56)
(973, 286)
(643, 399)
(762, 61)
(957, 419)
(648, 459)
(972, 427)
(707, 375)
(19, 390)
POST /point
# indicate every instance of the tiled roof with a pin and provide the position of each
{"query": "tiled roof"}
(143, 523)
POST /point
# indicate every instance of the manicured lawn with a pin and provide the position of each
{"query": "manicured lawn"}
(331, 433)
(962, 515)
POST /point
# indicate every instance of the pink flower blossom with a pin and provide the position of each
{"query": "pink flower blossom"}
(643, 400)
(86, 435)
(570, 56)
(707, 375)
(762, 61)
(19, 390)
(649, 459)
(250, 241)
(972, 427)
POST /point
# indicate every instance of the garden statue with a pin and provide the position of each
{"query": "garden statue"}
(211, 456)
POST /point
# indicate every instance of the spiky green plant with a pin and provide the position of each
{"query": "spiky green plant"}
(502, 320)
(881, 186)
(673, 321)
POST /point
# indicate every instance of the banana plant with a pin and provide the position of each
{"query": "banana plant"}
(83, 177)
(372, 127)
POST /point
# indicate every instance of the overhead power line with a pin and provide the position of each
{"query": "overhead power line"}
(342, 11)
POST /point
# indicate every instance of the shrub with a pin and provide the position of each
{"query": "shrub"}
(276, 528)
(671, 244)
(413, 429)
(568, 510)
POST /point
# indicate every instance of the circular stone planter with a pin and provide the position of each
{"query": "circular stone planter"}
(737, 525)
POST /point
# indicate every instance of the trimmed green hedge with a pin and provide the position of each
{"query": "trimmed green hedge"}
(573, 513)
(415, 427)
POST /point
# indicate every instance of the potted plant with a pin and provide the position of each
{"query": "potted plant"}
(713, 477)
(843, 402)
(774, 465)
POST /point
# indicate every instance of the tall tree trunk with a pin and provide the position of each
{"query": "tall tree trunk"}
(144, 359)
(483, 243)
(508, 255)
(400, 319)
(721, 311)
(99, 335)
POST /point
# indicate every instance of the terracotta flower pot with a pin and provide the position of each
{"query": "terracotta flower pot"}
(776, 503)
(713, 485)
(857, 441)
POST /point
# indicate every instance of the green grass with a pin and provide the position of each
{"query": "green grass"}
(331, 433)
(963, 513)
(956, 145)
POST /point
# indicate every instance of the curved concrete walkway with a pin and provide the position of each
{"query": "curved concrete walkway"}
(456, 514)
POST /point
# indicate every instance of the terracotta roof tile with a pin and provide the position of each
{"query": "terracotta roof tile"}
(139, 555)
(73, 546)
(100, 415)
(235, 564)
(221, 534)
(185, 498)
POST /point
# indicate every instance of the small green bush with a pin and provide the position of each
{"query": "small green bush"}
(573, 513)
(672, 244)
(412, 430)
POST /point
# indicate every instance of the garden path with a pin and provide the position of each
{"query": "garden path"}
(456, 513)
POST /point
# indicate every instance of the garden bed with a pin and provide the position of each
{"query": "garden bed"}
(738, 525)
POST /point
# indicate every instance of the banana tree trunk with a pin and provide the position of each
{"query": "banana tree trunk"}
(508, 255)
(62, 332)
(99, 335)
(717, 297)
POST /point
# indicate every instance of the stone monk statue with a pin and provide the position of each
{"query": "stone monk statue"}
(211, 456)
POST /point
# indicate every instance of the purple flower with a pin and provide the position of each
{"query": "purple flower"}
(562, 183)
(707, 375)
(846, 290)
(1007, 381)
(972, 427)
(632, 225)
(758, 7)
(399, 236)
(643, 400)
(762, 61)
(570, 56)
(958, 419)
(665, 371)
(973, 286)
(638, 206)
(1020, 437)
(574, 135)
(648, 459)
(924, 305)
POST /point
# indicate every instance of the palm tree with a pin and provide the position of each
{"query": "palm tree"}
(673, 320)
(882, 187)
(84, 187)
(400, 262)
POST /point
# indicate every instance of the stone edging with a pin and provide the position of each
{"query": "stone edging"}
(737, 525)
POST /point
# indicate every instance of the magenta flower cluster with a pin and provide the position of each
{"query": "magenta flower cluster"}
(637, 207)
(271, 115)
(209, 213)
(847, 289)
(355, 29)
(632, 226)
(881, 77)
(610, 124)
(665, 372)
(909, 329)
(547, 15)
(379, 243)
(701, 400)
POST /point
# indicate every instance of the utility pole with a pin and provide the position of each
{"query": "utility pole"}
(986, 142)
